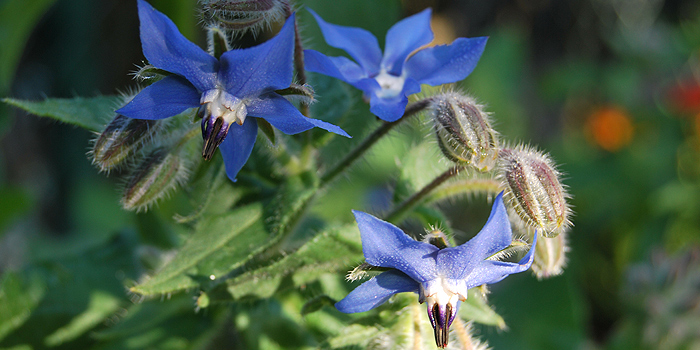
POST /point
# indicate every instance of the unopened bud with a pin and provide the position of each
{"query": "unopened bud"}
(464, 131)
(158, 173)
(243, 15)
(121, 138)
(550, 256)
(533, 190)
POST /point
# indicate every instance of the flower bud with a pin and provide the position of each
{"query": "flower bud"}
(464, 131)
(158, 173)
(533, 190)
(550, 256)
(121, 138)
(243, 15)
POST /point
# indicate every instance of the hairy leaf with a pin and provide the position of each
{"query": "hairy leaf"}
(91, 113)
(209, 236)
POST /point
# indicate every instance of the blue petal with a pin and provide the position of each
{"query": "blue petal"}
(446, 63)
(489, 271)
(388, 109)
(337, 67)
(166, 48)
(405, 37)
(266, 67)
(458, 262)
(360, 44)
(162, 99)
(285, 117)
(238, 145)
(376, 291)
(385, 245)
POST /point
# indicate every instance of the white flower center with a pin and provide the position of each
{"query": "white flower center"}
(438, 292)
(222, 104)
(392, 85)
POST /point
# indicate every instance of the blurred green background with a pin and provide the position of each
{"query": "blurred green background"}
(610, 88)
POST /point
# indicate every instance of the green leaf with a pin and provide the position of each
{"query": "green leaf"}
(210, 236)
(18, 298)
(476, 309)
(102, 305)
(17, 19)
(332, 250)
(91, 113)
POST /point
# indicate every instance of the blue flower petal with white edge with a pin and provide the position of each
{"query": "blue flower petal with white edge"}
(376, 291)
(359, 43)
(446, 63)
(403, 38)
(167, 49)
(162, 99)
(261, 68)
(238, 145)
(385, 245)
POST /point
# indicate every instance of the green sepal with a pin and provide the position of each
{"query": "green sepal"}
(267, 129)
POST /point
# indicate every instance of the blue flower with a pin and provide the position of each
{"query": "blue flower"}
(441, 277)
(228, 91)
(388, 79)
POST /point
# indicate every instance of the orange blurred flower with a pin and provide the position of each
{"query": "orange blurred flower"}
(610, 127)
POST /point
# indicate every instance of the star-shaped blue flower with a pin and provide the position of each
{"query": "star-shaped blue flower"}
(441, 277)
(387, 80)
(228, 91)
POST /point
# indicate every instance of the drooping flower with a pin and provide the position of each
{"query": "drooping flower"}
(388, 79)
(441, 277)
(241, 84)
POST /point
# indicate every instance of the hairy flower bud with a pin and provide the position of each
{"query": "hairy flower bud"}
(550, 256)
(158, 173)
(464, 131)
(243, 15)
(533, 190)
(120, 139)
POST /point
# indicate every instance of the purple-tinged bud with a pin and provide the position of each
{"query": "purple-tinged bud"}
(550, 256)
(120, 139)
(158, 173)
(243, 15)
(464, 131)
(533, 190)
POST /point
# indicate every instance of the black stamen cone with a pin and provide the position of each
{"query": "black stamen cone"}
(214, 131)
(441, 326)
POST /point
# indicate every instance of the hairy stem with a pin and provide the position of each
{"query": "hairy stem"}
(360, 150)
(399, 211)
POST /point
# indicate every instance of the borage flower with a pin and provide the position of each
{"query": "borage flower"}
(241, 84)
(387, 80)
(441, 277)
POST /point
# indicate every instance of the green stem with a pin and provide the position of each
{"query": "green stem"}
(398, 212)
(360, 150)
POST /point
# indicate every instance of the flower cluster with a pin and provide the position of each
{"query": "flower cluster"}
(237, 91)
